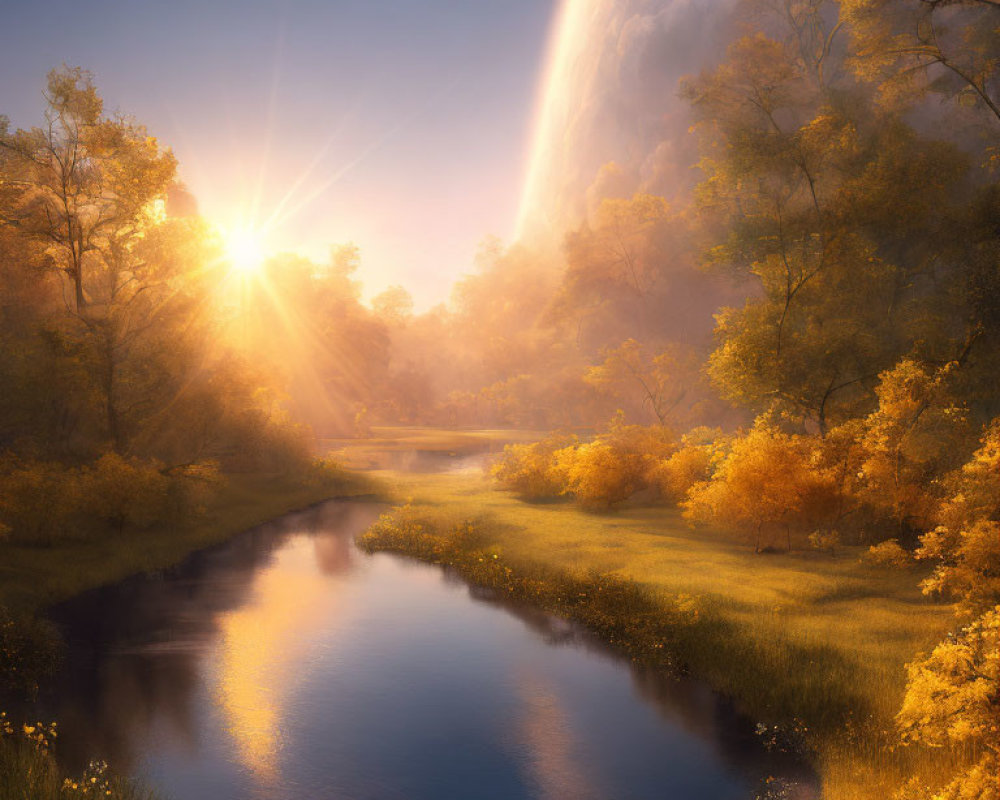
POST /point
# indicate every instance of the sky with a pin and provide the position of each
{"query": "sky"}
(403, 126)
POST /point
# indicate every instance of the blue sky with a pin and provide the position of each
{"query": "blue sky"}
(402, 126)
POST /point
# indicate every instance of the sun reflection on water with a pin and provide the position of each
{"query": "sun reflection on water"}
(261, 647)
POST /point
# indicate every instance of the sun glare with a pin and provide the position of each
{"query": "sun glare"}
(244, 249)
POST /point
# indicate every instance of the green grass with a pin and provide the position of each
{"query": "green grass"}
(34, 577)
(804, 637)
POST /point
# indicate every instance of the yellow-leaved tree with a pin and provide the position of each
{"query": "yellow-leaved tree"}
(912, 438)
(965, 544)
(769, 482)
(615, 465)
(661, 382)
(953, 698)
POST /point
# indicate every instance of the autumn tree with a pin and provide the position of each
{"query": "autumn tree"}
(837, 213)
(964, 546)
(915, 436)
(662, 380)
(111, 326)
(83, 183)
(767, 483)
(614, 259)
(89, 189)
(630, 272)
(393, 304)
(953, 699)
(915, 47)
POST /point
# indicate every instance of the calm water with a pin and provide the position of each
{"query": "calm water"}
(287, 664)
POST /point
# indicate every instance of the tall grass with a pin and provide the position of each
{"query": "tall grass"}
(28, 771)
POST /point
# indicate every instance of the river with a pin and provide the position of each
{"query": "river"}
(288, 664)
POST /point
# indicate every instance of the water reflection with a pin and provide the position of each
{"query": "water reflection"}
(681, 701)
(140, 650)
(260, 647)
(286, 664)
(262, 643)
(555, 765)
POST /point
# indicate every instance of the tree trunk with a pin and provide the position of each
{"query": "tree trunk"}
(81, 301)
(110, 395)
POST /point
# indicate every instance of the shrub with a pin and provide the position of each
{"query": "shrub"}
(767, 480)
(614, 466)
(28, 652)
(692, 463)
(42, 502)
(598, 474)
(528, 469)
(951, 699)
(888, 554)
(965, 545)
(38, 500)
(825, 540)
(124, 491)
(189, 489)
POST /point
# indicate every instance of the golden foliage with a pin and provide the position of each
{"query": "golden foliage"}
(953, 698)
(768, 479)
(601, 473)
(615, 465)
(528, 469)
(693, 462)
(888, 554)
(913, 437)
(965, 544)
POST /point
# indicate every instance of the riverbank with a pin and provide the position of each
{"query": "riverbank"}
(35, 577)
(813, 643)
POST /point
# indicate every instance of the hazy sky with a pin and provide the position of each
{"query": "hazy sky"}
(400, 125)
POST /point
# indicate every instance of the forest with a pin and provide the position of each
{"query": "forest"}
(783, 330)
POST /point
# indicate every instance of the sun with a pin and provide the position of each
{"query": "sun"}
(244, 249)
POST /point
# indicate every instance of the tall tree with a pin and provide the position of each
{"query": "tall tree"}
(913, 47)
(83, 183)
(838, 214)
